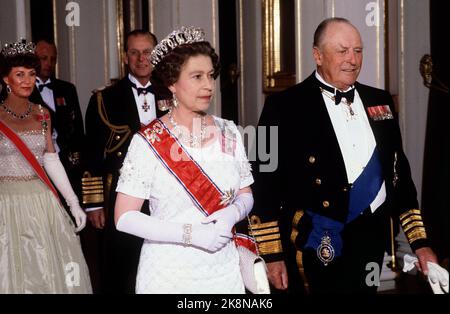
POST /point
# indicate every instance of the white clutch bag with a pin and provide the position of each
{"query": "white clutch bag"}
(253, 271)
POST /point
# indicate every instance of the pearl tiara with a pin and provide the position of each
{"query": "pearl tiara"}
(184, 35)
(20, 47)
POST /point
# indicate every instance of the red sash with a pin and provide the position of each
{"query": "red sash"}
(28, 155)
(205, 194)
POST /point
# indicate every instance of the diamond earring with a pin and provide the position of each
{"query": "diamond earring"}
(175, 100)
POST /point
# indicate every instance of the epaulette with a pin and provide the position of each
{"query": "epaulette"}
(100, 89)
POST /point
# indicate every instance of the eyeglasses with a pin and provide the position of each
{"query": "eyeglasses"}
(137, 53)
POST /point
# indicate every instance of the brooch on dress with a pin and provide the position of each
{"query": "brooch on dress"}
(227, 197)
(43, 117)
(152, 133)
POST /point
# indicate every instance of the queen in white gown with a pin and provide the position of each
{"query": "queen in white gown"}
(172, 268)
(185, 250)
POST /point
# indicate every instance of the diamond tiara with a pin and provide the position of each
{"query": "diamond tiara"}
(20, 47)
(184, 35)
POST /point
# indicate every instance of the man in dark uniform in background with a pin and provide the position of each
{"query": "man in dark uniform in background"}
(341, 174)
(113, 115)
(61, 98)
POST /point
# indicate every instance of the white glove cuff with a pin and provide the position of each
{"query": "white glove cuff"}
(141, 225)
(437, 275)
(244, 204)
(57, 174)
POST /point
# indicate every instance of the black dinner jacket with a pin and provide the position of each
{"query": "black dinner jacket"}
(67, 120)
(311, 172)
(109, 131)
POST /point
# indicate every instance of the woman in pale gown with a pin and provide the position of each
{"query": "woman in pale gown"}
(187, 249)
(39, 249)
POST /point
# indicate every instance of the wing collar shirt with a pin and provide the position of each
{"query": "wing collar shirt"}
(144, 116)
(355, 137)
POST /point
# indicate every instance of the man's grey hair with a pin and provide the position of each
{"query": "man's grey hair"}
(320, 30)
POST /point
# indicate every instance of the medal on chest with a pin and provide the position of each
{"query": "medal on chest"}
(325, 251)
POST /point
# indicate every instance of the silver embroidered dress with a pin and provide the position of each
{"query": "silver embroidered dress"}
(172, 268)
(39, 250)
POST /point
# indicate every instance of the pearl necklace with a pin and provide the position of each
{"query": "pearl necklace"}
(192, 139)
(15, 115)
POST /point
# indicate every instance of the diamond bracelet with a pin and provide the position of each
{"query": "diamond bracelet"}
(187, 234)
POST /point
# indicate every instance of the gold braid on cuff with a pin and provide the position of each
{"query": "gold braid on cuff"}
(91, 189)
(412, 224)
(267, 236)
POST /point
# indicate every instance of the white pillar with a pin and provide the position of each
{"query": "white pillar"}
(14, 20)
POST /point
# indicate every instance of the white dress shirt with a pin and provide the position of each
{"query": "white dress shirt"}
(355, 137)
(150, 115)
(47, 96)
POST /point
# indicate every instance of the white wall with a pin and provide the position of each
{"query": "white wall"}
(414, 41)
(312, 12)
(172, 14)
(84, 51)
(14, 21)
(251, 94)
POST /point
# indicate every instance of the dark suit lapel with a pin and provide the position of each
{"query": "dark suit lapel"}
(58, 95)
(36, 96)
(368, 100)
(327, 138)
(379, 129)
(130, 105)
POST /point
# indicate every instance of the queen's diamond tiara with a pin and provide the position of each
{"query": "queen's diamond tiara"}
(20, 47)
(184, 35)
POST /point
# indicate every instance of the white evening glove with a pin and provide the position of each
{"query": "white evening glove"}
(207, 237)
(57, 174)
(437, 276)
(227, 217)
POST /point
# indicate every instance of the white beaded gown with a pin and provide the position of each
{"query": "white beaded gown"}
(170, 268)
(39, 250)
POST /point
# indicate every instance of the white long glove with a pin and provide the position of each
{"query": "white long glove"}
(227, 217)
(57, 174)
(207, 237)
(437, 276)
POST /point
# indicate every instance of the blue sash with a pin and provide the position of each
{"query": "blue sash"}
(363, 192)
